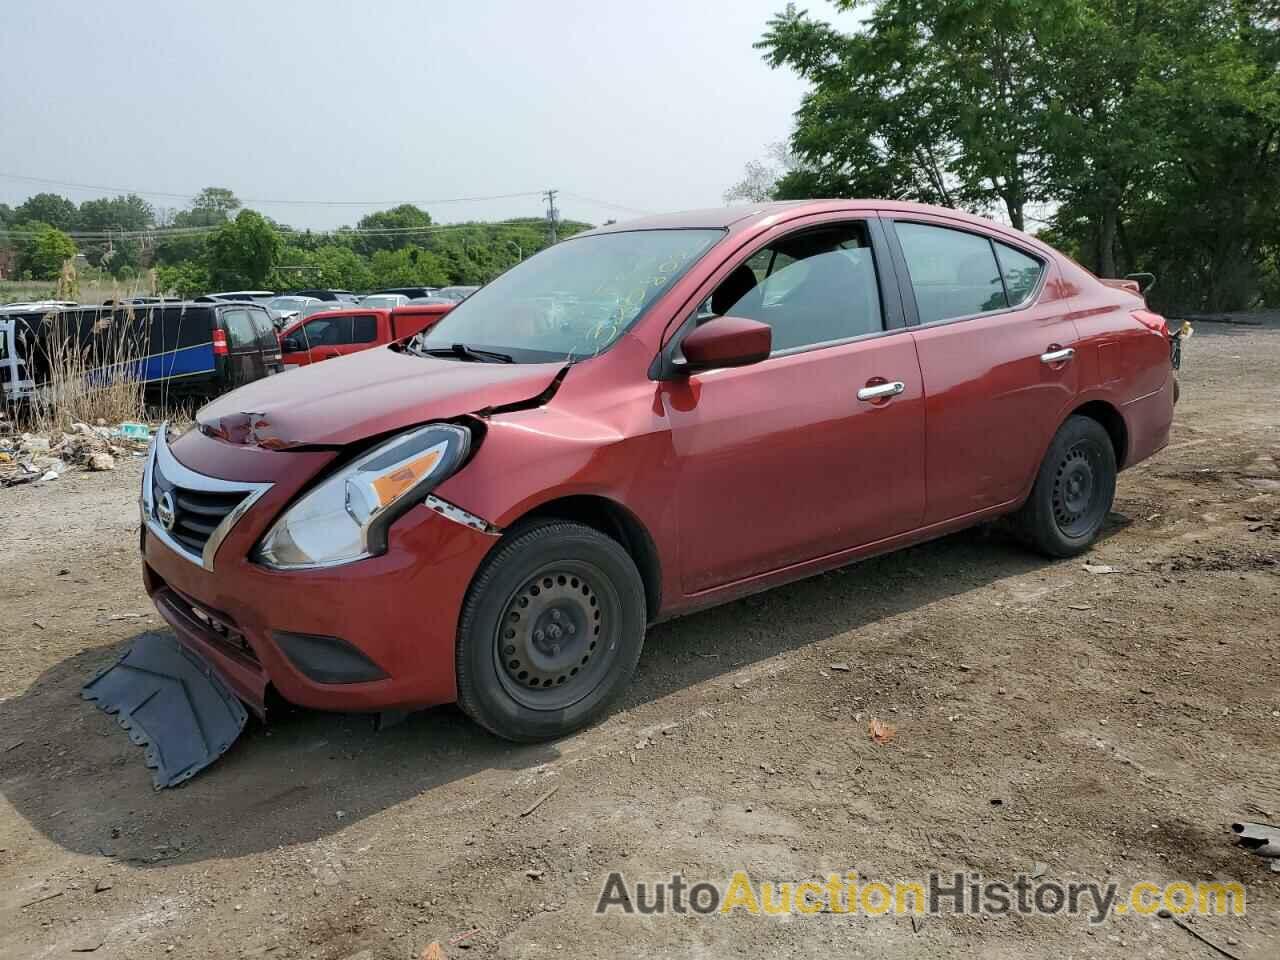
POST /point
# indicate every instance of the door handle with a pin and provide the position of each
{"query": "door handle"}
(882, 391)
(1057, 356)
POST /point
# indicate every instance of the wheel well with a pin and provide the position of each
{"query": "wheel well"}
(617, 522)
(1112, 422)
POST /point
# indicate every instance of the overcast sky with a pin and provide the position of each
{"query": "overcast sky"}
(652, 105)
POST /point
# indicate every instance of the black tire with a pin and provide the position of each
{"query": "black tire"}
(1073, 491)
(550, 633)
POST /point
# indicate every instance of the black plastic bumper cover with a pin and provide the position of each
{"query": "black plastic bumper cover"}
(172, 703)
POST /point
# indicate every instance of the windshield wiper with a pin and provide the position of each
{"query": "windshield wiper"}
(463, 352)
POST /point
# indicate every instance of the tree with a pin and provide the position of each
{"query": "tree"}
(243, 252)
(408, 266)
(48, 208)
(1151, 125)
(130, 213)
(406, 218)
(42, 250)
(186, 280)
(210, 207)
(328, 265)
(761, 178)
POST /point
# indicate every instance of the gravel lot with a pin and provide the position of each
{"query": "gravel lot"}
(1122, 721)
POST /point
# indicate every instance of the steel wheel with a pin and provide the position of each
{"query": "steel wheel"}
(1077, 507)
(557, 637)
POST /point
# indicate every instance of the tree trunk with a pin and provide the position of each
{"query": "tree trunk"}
(1107, 241)
(1016, 218)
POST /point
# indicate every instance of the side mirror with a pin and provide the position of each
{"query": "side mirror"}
(726, 342)
(290, 345)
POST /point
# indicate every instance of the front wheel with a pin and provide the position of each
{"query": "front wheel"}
(550, 633)
(1073, 491)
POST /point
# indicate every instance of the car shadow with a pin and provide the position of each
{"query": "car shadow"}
(74, 775)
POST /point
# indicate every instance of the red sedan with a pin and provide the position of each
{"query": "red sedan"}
(640, 421)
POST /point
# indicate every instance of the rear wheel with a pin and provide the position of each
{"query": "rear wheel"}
(550, 633)
(1073, 491)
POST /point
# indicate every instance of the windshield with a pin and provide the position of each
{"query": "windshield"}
(575, 299)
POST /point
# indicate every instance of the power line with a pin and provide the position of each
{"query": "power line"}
(258, 200)
(606, 203)
(163, 233)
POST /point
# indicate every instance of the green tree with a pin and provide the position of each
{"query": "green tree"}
(328, 265)
(407, 219)
(210, 207)
(186, 280)
(1151, 125)
(244, 252)
(408, 266)
(42, 250)
(48, 208)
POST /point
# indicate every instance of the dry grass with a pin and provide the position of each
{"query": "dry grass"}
(90, 286)
(87, 378)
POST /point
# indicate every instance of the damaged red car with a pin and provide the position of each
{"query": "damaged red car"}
(640, 421)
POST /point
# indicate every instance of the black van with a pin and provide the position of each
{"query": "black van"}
(202, 349)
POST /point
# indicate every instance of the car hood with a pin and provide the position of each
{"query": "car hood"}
(364, 394)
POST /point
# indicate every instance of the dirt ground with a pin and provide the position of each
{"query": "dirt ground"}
(1122, 721)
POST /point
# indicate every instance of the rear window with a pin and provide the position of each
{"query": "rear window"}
(365, 329)
(953, 273)
(240, 329)
(1021, 273)
(265, 329)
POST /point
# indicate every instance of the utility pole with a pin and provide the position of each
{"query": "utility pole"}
(552, 213)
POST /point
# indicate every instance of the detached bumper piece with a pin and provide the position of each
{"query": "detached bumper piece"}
(173, 704)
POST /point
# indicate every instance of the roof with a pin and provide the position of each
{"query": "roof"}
(746, 216)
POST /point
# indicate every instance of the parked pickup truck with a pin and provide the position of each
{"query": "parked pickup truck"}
(338, 332)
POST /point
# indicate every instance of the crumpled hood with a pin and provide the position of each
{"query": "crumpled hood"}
(371, 392)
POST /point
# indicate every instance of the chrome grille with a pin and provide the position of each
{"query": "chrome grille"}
(190, 512)
(196, 513)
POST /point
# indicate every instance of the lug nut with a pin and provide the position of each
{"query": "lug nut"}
(539, 635)
(555, 614)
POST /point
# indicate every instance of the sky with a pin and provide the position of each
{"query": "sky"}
(625, 107)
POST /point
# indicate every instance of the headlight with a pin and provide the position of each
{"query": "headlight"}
(346, 517)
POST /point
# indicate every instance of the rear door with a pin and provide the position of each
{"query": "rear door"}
(268, 342)
(244, 351)
(995, 341)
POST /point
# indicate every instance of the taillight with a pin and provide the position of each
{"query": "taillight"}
(219, 343)
(1152, 321)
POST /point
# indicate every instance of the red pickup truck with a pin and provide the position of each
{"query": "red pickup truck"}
(333, 333)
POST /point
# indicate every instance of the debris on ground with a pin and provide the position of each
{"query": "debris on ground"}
(29, 457)
(881, 732)
(1098, 569)
(540, 801)
(1262, 839)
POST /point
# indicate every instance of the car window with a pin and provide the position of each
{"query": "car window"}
(327, 332)
(266, 331)
(364, 329)
(1021, 273)
(240, 329)
(812, 287)
(953, 273)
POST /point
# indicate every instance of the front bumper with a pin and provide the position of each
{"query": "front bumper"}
(399, 611)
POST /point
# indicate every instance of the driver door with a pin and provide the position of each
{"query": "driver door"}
(800, 456)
